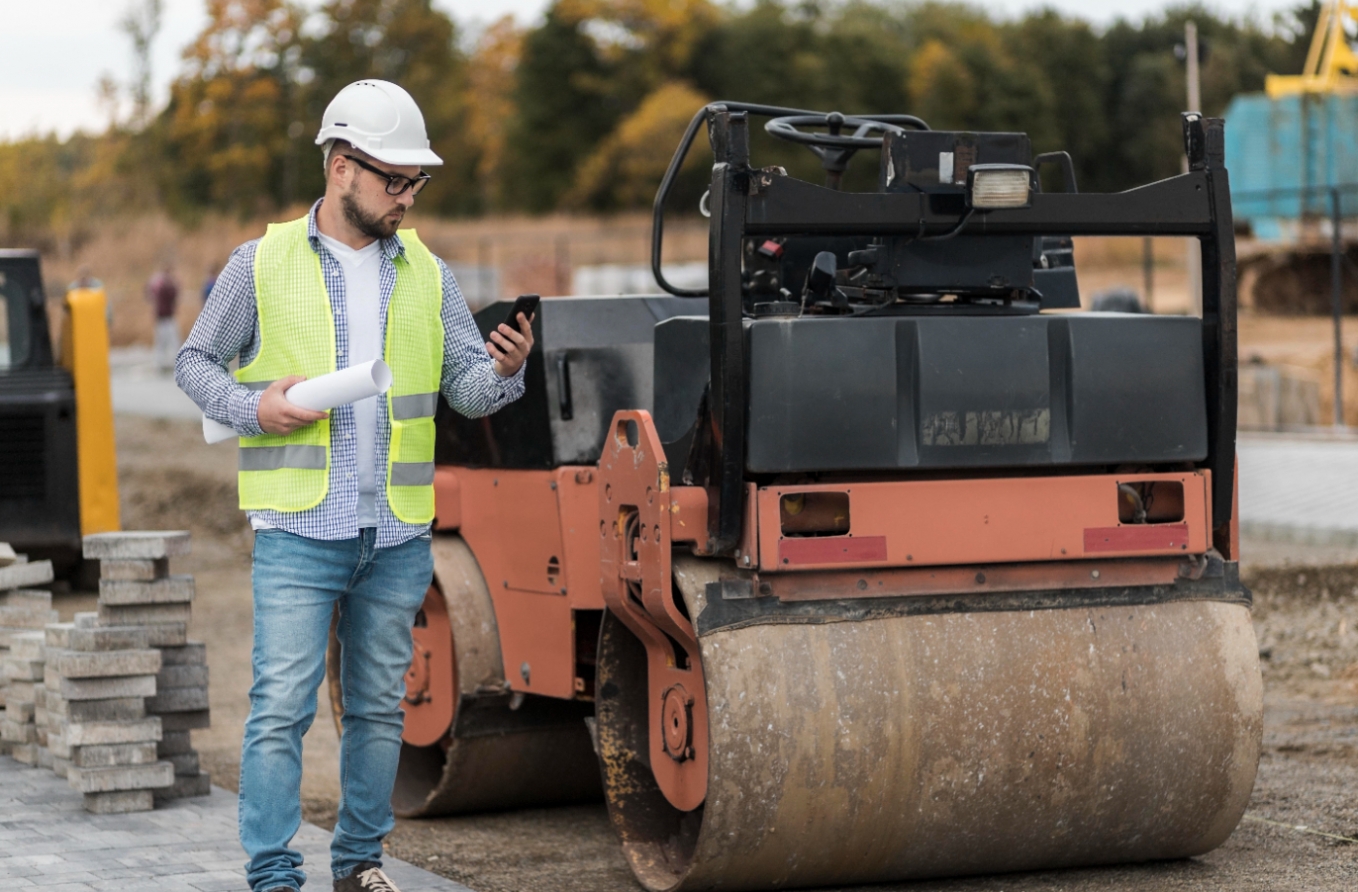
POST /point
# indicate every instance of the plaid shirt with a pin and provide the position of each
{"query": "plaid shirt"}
(229, 327)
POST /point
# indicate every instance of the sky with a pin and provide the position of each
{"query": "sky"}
(53, 52)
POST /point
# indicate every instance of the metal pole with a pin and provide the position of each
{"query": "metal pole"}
(1194, 84)
(563, 265)
(1336, 303)
(1194, 105)
(1148, 271)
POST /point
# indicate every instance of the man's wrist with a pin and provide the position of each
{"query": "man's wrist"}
(499, 370)
(244, 406)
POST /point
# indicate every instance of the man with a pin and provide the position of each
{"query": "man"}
(341, 501)
(163, 293)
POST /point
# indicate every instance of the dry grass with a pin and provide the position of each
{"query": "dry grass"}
(533, 254)
(124, 253)
(1306, 341)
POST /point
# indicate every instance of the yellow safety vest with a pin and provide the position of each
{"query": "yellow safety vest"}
(297, 337)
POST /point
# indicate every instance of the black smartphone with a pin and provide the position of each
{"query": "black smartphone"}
(527, 304)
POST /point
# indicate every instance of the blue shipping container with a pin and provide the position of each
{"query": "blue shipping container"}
(1284, 154)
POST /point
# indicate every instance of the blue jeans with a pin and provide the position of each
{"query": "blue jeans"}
(297, 583)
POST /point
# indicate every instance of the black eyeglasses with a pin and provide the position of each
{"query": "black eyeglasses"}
(396, 183)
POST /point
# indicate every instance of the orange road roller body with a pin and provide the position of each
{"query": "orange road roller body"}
(868, 566)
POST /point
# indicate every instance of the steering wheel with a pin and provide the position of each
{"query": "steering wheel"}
(787, 128)
(834, 147)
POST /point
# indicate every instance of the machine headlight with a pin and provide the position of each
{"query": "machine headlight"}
(991, 186)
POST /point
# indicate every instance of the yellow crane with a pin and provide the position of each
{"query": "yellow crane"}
(1331, 64)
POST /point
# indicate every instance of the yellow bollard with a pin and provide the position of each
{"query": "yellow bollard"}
(84, 353)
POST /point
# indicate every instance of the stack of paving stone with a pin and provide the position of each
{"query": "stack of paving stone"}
(135, 585)
(22, 610)
(181, 702)
(23, 667)
(36, 643)
(136, 588)
(100, 736)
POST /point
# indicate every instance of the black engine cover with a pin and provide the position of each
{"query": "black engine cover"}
(836, 394)
(847, 394)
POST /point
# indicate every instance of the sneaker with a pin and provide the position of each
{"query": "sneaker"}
(367, 877)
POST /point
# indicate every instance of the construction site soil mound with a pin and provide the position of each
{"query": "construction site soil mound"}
(1298, 833)
(1295, 282)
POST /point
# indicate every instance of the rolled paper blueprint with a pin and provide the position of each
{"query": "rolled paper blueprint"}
(322, 394)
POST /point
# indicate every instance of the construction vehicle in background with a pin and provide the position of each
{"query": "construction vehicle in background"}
(1294, 173)
(58, 470)
(860, 564)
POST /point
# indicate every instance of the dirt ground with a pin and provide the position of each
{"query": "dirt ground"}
(1298, 833)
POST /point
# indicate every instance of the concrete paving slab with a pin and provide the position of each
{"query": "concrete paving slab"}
(48, 841)
(1299, 489)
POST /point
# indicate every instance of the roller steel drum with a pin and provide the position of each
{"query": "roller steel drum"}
(497, 757)
(916, 746)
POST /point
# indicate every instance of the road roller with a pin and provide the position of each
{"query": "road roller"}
(875, 559)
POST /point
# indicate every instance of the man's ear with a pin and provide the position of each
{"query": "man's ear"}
(337, 151)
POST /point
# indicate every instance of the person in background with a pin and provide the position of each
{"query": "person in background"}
(163, 293)
(85, 279)
(209, 281)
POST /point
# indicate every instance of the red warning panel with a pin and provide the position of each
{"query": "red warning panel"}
(832, 550)
(1136, 537)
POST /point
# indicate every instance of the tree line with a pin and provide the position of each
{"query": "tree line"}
(580, 111)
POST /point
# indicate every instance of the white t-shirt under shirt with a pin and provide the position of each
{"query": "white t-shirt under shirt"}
(363, 310)
(363, 307)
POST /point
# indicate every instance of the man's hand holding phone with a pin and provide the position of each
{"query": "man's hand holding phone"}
(512, 340)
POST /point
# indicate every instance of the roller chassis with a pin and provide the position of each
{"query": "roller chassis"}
(932, 692)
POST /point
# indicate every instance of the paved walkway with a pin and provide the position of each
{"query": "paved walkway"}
(49, 842)
(1299, 488)
(139, 388)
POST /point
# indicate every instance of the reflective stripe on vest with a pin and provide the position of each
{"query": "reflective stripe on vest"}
(271, 458)
(415, 405)
(412, 473)
(297, 337)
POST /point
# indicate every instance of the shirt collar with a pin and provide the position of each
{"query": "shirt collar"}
(391, 247)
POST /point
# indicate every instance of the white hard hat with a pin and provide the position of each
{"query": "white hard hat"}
(380, 119)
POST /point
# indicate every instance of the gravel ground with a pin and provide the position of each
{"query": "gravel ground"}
(1297, 833)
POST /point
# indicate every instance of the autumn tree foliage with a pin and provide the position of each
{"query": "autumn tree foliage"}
(581, 109)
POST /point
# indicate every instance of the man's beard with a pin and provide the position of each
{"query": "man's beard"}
(371, 226)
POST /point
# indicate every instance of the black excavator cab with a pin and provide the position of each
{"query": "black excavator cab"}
(39, 504)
